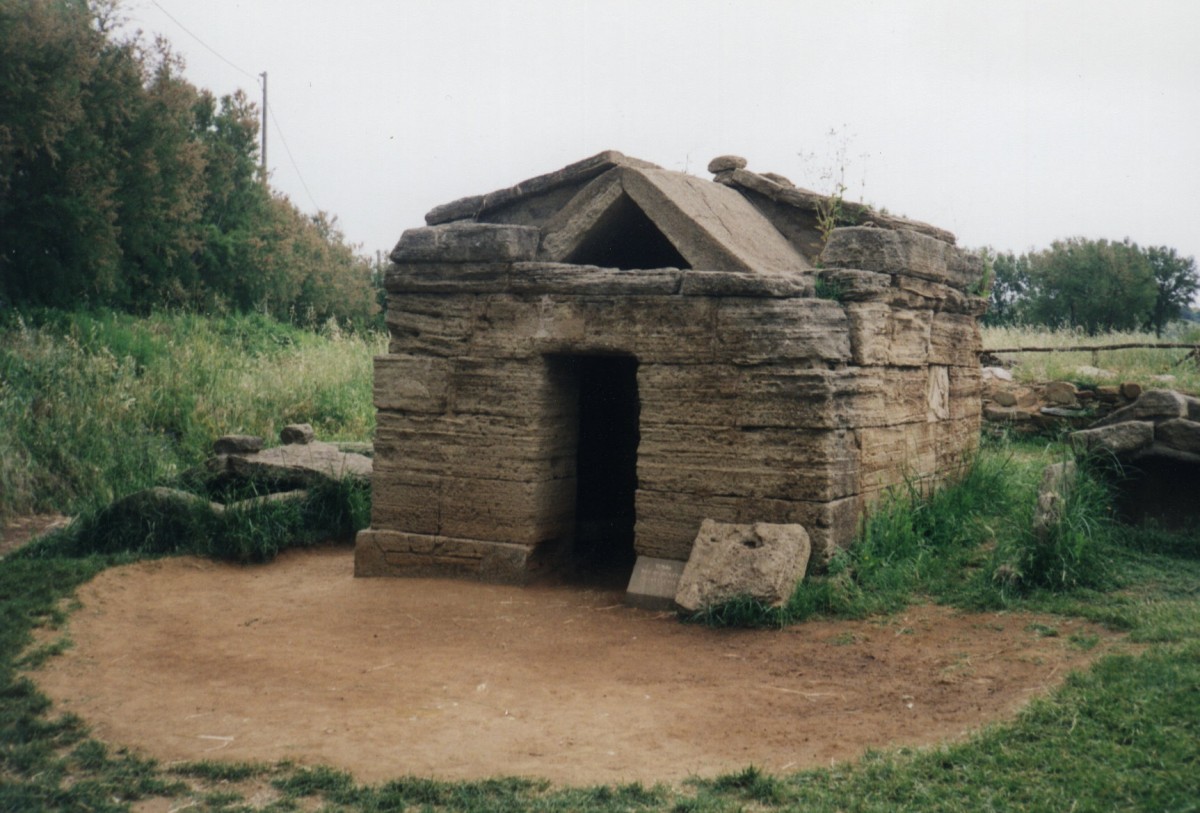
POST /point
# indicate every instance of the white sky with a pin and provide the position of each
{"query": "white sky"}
(1011, 123)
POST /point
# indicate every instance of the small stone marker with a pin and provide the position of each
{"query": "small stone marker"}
(237, 444)
(726, 163)
(654, 583)
(296, 433)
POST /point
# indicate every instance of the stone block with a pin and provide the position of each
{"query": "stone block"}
(589, 280)
(882, 335)
(1151, 404)
(300, 433)
(902, 252)
(1118, 439)
(412, 383)
(383, 552)
(237, 444)
(447, 278)
(764, 561)
(757, 331)
(1180, 433)
(467, 242)
(954, 339)
(431, 324)
(654, 582)
(852, 285)
(761, 463)
(667, 522)
(746, 284)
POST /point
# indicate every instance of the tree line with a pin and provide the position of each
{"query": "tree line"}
(123, 185)
(1093, 285)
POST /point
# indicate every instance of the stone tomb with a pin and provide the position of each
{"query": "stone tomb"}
(585, 366)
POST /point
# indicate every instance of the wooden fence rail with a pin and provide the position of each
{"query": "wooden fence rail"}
(1096, 348)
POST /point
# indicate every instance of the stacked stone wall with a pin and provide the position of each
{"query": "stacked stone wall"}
(759, 402)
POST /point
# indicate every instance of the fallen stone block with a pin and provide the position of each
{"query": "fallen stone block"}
(763, 561)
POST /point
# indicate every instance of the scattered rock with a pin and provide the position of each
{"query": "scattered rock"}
(1061, 393)
(779, 179)
(161, 500)
(1088, 371)
(301, 433)
(1005, 398)
(1119, 439)
(237, 444)
(1165, 378)
(1180, 434)
(726, 163)
(763, 560)
(1064, 412)
(1154, 404)
(1131, 390)
(998, 373)
(1002, 414)
(298, 464)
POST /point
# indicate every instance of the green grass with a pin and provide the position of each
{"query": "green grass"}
(1142, 366)
(1124, 735)
(97, 406)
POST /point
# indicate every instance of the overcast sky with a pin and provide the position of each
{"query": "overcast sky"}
(1010, 123)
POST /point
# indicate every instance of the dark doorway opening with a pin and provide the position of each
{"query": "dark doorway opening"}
(624, 237)
(1159, 490)
(601, 549)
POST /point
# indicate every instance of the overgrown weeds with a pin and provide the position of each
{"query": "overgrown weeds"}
(969, 542)
(97, 406)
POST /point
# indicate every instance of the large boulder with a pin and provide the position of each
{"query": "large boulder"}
(764, 561)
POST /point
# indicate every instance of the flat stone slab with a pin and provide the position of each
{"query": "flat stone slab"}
(654, 583)
(304, 463)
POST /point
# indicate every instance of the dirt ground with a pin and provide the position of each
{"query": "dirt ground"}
(188, 659)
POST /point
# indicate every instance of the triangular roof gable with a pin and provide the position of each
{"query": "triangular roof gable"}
(709, 225)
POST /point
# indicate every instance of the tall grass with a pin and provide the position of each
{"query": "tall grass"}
(969, 542)
(95, 406)
(1142, 366)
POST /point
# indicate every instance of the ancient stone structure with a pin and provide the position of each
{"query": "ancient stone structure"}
(1155, 440)
(585, 366)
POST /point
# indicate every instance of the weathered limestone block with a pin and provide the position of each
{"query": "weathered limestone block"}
(746, 284)
(590, 280)
(237, 444)
(654, 328)
(524, 389)
(1151, 404)
(385, 552)
(403, 500)
(472, 445)
(954, 339)
(790, 395)
(303, 464)
(412, 383)
(881, 335)
(902, 252)
(447, 278)
(430, 324)
(758, 331)
(667, 522)
(762, 463)
(724, 163)
(571, 177)
(937, 400)
(890, 454)
(1119, 439)
(851, 285)
(467, 242)
(1179, 433)
(507, 511)
(1062, 393)
(764, 561)
(297, 433)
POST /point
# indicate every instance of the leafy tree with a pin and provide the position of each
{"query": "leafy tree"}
(1095, 285)
(122, 184)
(1177, 281)
(1010, 289)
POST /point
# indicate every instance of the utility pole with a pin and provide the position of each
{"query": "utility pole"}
(264, 125)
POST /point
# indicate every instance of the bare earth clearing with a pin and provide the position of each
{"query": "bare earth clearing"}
(188, 659)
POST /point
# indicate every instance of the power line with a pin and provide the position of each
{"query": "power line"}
(202, 42)
(270, 110)
(288, 150)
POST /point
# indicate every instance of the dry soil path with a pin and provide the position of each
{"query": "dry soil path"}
(187, 659)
